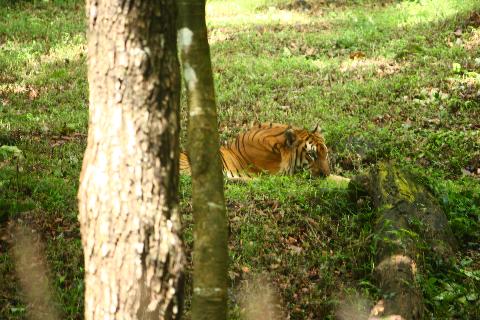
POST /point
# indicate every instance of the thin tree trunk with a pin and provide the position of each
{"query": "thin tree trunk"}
(210, 257)
(128, 195)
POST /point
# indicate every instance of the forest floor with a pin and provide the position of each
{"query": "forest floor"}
(386, 80)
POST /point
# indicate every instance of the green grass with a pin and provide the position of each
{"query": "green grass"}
(410, 95)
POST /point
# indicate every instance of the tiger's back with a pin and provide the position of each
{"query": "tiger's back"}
(184, 163)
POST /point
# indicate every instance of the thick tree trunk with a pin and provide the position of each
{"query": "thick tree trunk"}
(128, 205)
(210, 255)
(408, 217)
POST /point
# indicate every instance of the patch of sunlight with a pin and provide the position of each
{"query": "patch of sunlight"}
(469, 81)
(233, 14)
(16, 54)
(33, 57)
(405, 14)
(336, 182)
(380, 65)
(68, 49)
(16, 87)
(423, 11)
(400, 15)
(218, 8)
(324, 64)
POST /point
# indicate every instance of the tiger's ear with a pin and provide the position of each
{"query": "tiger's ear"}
(316, 129)
(290, 138)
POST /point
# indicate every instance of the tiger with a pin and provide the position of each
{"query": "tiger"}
(272, 148)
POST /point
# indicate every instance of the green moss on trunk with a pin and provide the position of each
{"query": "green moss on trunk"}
(409, 219)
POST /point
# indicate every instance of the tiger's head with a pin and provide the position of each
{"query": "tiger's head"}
(307, 150)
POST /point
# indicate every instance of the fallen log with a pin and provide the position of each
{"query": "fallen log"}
(409, 219)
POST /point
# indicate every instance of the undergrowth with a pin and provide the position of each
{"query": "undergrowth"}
(386, 80)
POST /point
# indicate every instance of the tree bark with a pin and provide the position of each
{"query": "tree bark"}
(408, 217)
(210, 255)
(128, 194)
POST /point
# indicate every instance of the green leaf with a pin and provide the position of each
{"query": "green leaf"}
(7, 152)
(472, 296)
(17, 310)
(456, 67)
(471, 274)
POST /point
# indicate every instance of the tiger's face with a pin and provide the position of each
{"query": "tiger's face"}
(317, 157)
(308, 151)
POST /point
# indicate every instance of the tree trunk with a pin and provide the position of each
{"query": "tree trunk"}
(210, 256)
(408, 217)
(128, 195)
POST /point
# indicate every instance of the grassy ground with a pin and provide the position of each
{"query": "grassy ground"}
(385, 79)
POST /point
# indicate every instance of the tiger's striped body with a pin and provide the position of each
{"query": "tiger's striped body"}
(272, 148)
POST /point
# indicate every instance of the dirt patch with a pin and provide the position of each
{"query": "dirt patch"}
(473, 42)
(22, 268)
(316, 6)
(381, 66)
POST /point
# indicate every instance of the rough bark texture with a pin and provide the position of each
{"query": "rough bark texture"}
(128, 195)
(408, 217)
(210, 256)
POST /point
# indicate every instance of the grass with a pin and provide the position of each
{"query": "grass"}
(384, 79)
